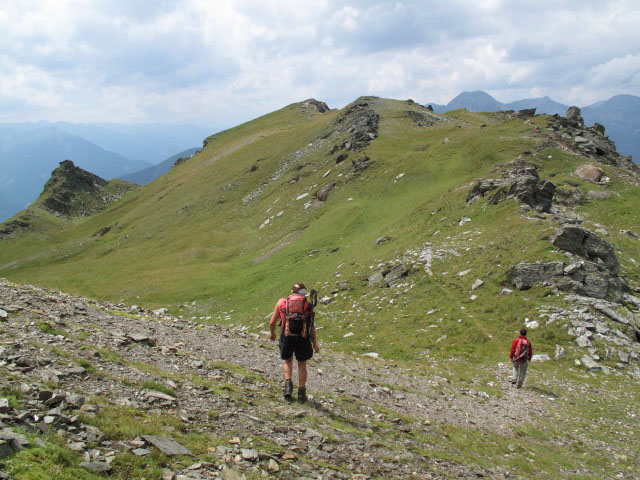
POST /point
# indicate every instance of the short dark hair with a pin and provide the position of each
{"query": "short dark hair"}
(297, 286)
(523, 332)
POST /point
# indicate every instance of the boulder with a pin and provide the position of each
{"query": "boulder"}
(589, 172)
(574, 115)
(323, 193)
(590, 364)
(377, 277)
(525, 275)
(167, 446)
(559, 353)
(598, 128)
(396, 274)
(97, 467)
(582, 242)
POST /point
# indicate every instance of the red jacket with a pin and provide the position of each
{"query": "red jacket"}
(515, 343)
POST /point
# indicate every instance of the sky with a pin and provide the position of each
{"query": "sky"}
(219, 63)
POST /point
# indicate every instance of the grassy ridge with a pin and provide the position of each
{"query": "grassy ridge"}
(194, 234)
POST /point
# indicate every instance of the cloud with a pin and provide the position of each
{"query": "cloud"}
(219, 63)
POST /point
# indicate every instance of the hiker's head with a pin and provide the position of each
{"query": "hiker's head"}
(523, 332)
(299, 287)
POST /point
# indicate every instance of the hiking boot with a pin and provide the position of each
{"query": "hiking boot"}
(288, 389)
(302, 395)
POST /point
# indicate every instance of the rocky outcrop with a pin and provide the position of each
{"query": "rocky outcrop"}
(360, 121)
(74, 192)
(593, 272)
(316, 105)
(574, 115)
(582, 242)
(521, 182)
(388, 275)
(588, 141)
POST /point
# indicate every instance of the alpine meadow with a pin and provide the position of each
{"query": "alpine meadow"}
(432, 240)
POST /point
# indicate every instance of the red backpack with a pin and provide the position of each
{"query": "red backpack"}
(521, 353)
(296, 316)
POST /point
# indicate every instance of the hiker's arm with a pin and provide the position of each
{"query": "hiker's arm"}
(273, 321)
(513, 349)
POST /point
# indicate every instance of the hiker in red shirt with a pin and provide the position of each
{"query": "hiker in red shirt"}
(297, 336)
(521, 352)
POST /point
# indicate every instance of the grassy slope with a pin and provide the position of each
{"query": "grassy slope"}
(185, 237)
(189, 236)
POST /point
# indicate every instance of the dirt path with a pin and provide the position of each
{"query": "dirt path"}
(238, 376)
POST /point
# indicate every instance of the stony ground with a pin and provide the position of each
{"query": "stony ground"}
(367, 418)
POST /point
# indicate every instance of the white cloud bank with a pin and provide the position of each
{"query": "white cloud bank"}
(218, 63)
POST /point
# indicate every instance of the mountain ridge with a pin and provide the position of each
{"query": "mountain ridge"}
(620, 114)
(432, 240)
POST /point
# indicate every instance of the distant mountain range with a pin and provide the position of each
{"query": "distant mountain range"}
(30, 151)
(620, 114)
(148, 175)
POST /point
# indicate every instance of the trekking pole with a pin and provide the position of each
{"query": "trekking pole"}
(314, 297)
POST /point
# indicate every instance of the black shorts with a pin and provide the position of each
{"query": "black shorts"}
(298, 345)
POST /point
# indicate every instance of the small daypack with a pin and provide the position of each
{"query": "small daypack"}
(521, 353)
(297, 316)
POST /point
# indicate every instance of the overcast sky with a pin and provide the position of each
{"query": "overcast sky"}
(218, 63)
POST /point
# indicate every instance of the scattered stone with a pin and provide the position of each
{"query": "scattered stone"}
(559, 353)
(142, 338)
(382, 240)
(476, 284)
(167, 446)
(540, 357)
(273, 466)
(98, 467)
(140, 452)
(3, 315)
(249, 454)
(160, 396)
(326, 300)
(590, 364)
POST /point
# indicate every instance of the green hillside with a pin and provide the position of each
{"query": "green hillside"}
(221, 236)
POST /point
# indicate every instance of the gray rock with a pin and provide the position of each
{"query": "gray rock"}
(4, 405)
(382, 240)
(397, 273)
(231, 474)
(583, 341)
(3, 314)
(589, 172)
(140, 452)
(142, 338)
(167, 446)
(559, 353)
(323, 193)
(98, 467)
(540, 357)
(525, 275)
(5, 449)
(590, 364)
(326, 300)
(249, 454)
(377, 277)
(75, 400)
(160, 396)
(612, 314)
(580, 241)
(478, 283)
(574, 115)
